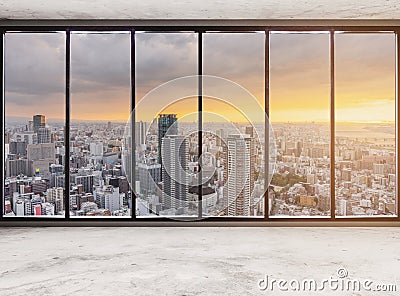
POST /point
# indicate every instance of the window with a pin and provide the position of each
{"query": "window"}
(365, 133)
(166, 125)
(300, 117)
(233, 124)
(228, 124)
(100, 108)
(34, 179)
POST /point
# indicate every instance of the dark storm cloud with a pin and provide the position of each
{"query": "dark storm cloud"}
(234, 55)
(35, 68)
(34, 65)
(100, 61)
(239, 57)
(163, 57)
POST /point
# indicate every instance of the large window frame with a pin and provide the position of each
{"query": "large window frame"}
(199, 30)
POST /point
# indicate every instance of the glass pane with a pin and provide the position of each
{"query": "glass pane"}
(233, 124)
(365, 133)
(299, 112)
(34, 124)
(100, 108)
(166, 122)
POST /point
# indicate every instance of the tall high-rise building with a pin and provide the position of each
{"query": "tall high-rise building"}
(39, 121)
(30, 125)
(166, 124)
(96, 149)
(249, 131)
(52, 194)
(40, 157)
(19, 208)
(18, 148)
(27, 137)
(86, 181)
(43, 135)
(220, 137)
(346, 174)
(41, 151)
(140, 132)
(342, 207)
(15, 167)
(149, 177)
(175, 183)
(378, 168)
(240, 175)
(108, 197)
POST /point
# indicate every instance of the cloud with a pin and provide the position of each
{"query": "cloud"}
(300, 73)
(100, 61)
(161, 57)
(100, 68)
(239, 57)
(34, 64)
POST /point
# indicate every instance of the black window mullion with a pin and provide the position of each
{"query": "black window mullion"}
(2, 211)
(266, 127)
(67, 123)
(200, 120)
(397, 96)
(332, 124)
(200, 108)
(133, 126)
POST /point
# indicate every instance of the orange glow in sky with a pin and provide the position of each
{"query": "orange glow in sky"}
(299, 80)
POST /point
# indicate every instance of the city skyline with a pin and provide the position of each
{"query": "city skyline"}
(62, 120)
(368, 163)
(300, 100)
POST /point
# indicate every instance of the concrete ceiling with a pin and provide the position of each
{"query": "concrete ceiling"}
(199, 9)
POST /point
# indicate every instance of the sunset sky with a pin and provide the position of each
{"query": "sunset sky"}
(299, 75)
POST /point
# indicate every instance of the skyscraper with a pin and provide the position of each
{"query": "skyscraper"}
(39, 121)
(166, 124)
(18, 148)
(149, 177)
(87, 181)
(175, 154)
(220, 137)
(41, 151)
(249, 131)
(240, 175)
(40, 157)
(14, 167)
(43, 135)
(140, 132)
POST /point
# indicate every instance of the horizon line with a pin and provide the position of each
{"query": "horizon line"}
(261, 122)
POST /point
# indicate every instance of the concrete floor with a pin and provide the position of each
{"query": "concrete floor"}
(190, 261)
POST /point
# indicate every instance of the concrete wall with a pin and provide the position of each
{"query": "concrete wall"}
(195, 9)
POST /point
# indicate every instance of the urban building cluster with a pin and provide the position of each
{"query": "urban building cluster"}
(35, 169)
(365, 171)
(168, 174)
(171, 175)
